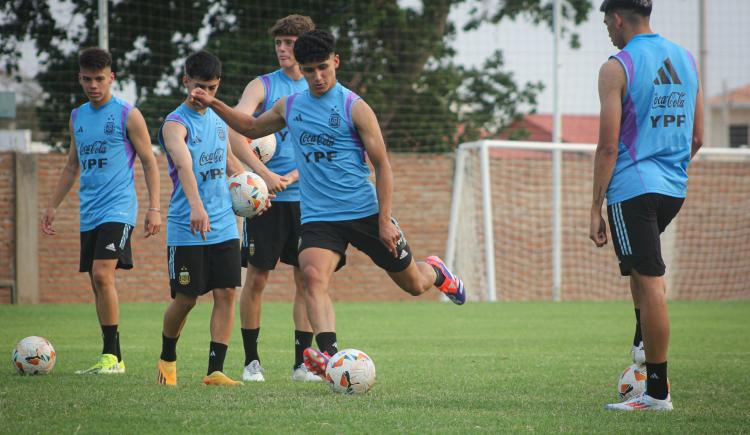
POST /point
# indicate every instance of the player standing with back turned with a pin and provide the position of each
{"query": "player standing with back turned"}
(651, 127)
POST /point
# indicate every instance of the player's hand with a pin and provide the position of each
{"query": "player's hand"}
(276, 183)
(598, 229)
(47, 219)
(200, 98)
(271, 196)
(152, 226)
(389, 235)
(199, 222)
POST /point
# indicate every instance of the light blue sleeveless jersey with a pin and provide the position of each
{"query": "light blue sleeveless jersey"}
(277, 85)
(656, 129)
(334, 184)
(207, 141)
(106, 156)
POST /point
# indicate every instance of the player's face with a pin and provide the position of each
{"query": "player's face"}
(210, 86)
(285, 50)
(320, 76)
(96, 84)
(614, 23)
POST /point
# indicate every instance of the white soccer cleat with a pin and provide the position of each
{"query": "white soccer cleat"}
(253, 372)
(638, 354)
(301, 374)
(642, 402)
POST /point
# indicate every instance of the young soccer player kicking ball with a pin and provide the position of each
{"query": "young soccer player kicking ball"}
(202, 241)
(645, 146)
(273, 236)
(334, 130)
(106, 133)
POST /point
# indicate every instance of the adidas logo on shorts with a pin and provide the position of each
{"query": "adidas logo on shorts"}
(111, 247)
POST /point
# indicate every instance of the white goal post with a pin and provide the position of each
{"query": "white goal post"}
(519, 225)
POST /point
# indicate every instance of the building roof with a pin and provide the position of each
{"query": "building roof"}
(576, 128)
(739, 95)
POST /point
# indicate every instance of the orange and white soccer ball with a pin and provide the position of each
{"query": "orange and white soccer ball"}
(350, 371)
(264, 147)
(34, 356)
(249, 194)
(632, 381)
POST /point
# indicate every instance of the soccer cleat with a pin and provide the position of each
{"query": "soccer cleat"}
(452, 287)
(642, 402)
(219, 378)
(253, 372)
(638, 354)
(302, 374)
(107, 365)
(316, 361)
(167, 372)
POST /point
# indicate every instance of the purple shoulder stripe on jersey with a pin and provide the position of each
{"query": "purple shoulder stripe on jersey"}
(350, 100)
(267, 87)
(627, 63)
(73, 116)
(178, 119)
(129, 149)
(629, 126)
(692, 60)
(289, 101)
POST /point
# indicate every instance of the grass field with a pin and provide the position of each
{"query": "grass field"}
(485, 368)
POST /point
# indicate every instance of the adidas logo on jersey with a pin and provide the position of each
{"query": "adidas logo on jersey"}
(298, 118)
(667, 75)
(111, 247)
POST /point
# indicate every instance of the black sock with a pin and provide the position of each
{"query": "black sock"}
(656, 384)
(439, 277)
(109, 337)
(327, 342)
(302, 340)
(638, 337)
(216, 356)
(119, 353)
(250, 341)
(168, 348)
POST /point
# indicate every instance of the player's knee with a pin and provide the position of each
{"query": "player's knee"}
(103, 279)
(224, 296)
(315, 280)
(256, 281)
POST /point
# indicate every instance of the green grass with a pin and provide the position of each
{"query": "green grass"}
(484, 368)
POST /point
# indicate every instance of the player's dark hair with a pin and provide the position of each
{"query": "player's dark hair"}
(203, 66)
(640, 7)
(314, 46)
(292, 25)
(94, 59)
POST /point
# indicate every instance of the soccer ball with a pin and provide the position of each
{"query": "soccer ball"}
(264, 147)
(34, 356)
(249, 194)
(632, 381)
(350, 371)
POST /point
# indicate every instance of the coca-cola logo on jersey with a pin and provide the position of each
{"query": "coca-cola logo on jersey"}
(214, 157)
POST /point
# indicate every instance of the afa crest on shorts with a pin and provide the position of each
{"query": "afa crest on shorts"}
(184, 278)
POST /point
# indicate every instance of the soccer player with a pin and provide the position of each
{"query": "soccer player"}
(333, 131)
(274, 235)
(106, 133)
(651, 127)
(203, 248)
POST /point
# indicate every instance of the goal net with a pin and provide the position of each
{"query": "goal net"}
(520, 222)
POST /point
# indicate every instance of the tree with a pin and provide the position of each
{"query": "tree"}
(398, 58)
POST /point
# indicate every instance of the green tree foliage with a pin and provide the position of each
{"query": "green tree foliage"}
(399, 59)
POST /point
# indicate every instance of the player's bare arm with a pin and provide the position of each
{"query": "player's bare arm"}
(369, 131)
(612, 85)
(251, 100)
(267, 123)
(139, 137)
(697, 123)
(174, 135)
(64, 184)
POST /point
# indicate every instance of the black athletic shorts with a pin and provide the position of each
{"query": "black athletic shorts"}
(108, 241)
(197, 269)
(272, 236)
(363, 233)
(636, 225)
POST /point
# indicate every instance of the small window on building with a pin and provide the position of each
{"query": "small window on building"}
(738, 135)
